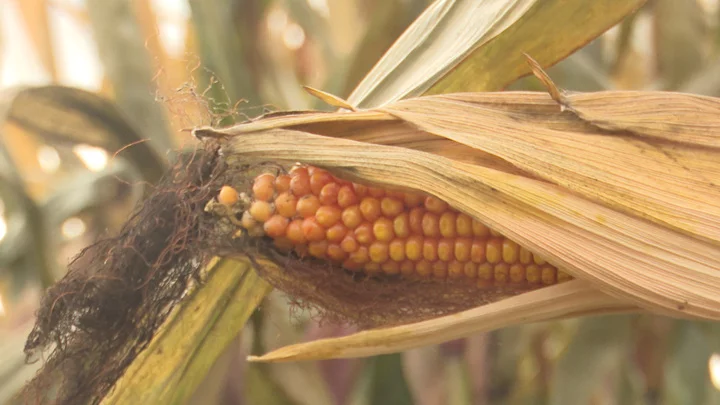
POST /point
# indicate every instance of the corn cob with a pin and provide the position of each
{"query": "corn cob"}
(377, 231)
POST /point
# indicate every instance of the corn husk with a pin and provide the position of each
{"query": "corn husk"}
(627, 203)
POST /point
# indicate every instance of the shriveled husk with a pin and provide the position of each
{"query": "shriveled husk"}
(624, 199)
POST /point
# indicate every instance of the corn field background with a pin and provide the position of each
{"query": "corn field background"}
(162, 67)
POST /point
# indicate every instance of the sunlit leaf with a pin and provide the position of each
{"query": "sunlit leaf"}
(471, 45)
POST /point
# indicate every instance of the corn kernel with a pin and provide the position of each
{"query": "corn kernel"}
(370, 208)
(407, 268)
(517, 273)
(485, 271)
(346, 197)
(336, 253)
(456, 269)
(383, 230)
(548, 275)
(312, 230)
(390, 267)
(532, 274)
(307, 206)
(415, 220)
(318, 248)
(261, 210)
(376, 192)
(423, 268)
(509, 251)
(463, 225)
(401, 225)
(282, 183)
(502, 273)
(391, 207)
(300, 185)
(412, 200)
(294, 232)
(463, 247)
(493, 251)
(379, 252)
(329, 194)
(286, 204)
(328, 215)
(275, 226)
(435, 205)
(360, 256)
(364, 233)
(470, 270)
(479, 229)
(318, 180)
(445, 249)
(525, 256)
(264, 187)
(352, 217)
(372, 268)
(439, 269)
(431, 225)
(447, 224)
(228, 196)
(397, 250)
(414, 247)
(247, 221)
(349, 243)
(360, 190)
(336, 233)
(430, 249)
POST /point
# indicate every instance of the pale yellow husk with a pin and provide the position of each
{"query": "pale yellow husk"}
(627, 203)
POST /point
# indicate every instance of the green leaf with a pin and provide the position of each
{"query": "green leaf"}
(472, 45)
(191, 340)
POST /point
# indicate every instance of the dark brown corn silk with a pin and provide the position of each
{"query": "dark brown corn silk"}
(94, 322)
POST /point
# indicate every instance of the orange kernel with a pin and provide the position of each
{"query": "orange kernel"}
(282, 183)
(463, 225)
(228, 196)
(414, 247)
(300, 184)
(510, 251)
(261, 210)
(312, 230)
(401, 225)
(415, 219)
(295, 233)
(463, 249)
(493, 251)
(445, 249)
(370, 208)
(276, 226)
(352, 217)
(435, 205)
(336, 233)
(328, 215)
(383, 230)
(447, 224)
(286, 204)
(397, 250)
(329, 194)
(391, 207)
(346, 197)
(318, 248)
(349, 243)
(319, 179)
(430, 224)
(479, 229)
(390, 267)
(379, 252)
(430, 249)
(364, 233)
(307, 206)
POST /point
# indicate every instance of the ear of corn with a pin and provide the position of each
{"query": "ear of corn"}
(378, 231)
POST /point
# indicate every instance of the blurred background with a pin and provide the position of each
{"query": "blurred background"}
(142, 72)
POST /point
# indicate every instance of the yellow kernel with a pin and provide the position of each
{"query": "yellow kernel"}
(264, 187)
(463, 248)
(282, 183)
(401, 225)
(318, 179)
(430, 249)
(349, 243)
(414, 247)
(336, 233)
(364, 233)
(532, 274)
(328, 215)
(300, 184)
(228, 196)
(352, 217)
(383, 230)
(493, 250)
(479, 229)
(548, 275)
(431, 224)
(538, 260)
(412, 200)
(361, 190)
(423, 268)
(346, 197)
(525, 256)
(517, 273)
(502, 273)
(247, 221)
(435, 205)
(329, 194)
(286, 204)
(407, 268)
(456, 269)
(415, 219)
(307, 206)
(397, 250)
(312, 230)
(439, 269)
(477, 251)
(318, 248)
(261, 210)
(275, 226)
(470, 270)
(510, 251)
(463, 225)
(379, 252)
(447, 224)
(390, 267)
(360, 256)
(563, 277)
(445, 249)
(376, 192)
(294, 232)
(485, 271)
(391, 207)
(370, 208)
(336, 253)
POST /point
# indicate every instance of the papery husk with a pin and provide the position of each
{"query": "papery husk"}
(628, 204)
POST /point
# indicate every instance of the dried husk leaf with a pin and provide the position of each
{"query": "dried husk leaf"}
(575, 298)
(634, 217)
